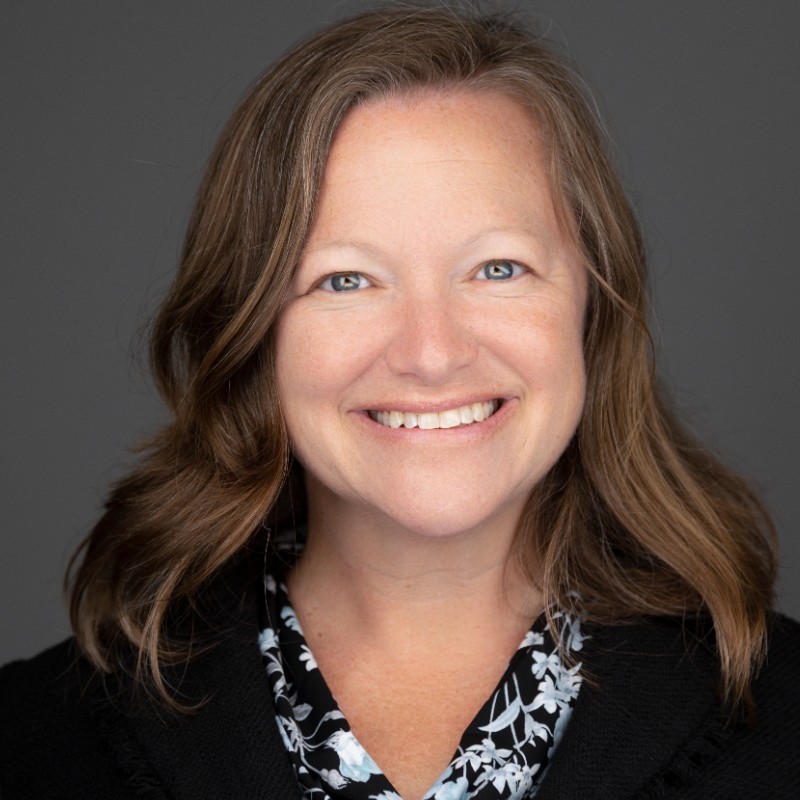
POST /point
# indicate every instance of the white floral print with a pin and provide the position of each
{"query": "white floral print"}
(354, 761)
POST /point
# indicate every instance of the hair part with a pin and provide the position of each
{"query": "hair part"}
(635, 519)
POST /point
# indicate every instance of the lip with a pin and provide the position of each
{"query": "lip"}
(471, 433)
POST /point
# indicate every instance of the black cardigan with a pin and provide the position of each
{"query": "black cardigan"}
(648, 725)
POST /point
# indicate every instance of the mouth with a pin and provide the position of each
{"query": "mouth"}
(459, 417)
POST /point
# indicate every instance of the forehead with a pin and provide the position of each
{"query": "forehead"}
(436, 155)
(467, 119)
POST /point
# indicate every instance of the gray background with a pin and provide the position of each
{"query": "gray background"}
(110, 109)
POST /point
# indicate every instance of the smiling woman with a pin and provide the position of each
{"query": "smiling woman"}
(421, 525)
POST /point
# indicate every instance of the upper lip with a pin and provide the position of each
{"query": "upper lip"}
(427, 406)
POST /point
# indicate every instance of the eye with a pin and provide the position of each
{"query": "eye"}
(344, 282)
(499, 270)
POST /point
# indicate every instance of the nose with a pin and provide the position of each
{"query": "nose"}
(431, 340)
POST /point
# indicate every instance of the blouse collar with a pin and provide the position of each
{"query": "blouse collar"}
(503, 753)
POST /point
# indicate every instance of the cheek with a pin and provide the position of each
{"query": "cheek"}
(566, 361)
(317, 357)
(543, 338)
(300, 369)
(301, 352)
(301, 372)
(556, 374)
(563, 335)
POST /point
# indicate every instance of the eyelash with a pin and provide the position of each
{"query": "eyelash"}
(515, 271)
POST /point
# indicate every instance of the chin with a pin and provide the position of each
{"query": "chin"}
(458, 518)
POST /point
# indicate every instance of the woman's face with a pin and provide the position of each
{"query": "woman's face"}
(429, 358)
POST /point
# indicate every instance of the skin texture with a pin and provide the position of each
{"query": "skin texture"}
(410, 530)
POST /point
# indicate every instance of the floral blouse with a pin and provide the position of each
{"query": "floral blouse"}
(503, 753)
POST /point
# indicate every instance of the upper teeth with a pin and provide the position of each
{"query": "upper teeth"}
(452, 418)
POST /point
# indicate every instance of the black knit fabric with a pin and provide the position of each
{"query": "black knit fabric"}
(647, 725)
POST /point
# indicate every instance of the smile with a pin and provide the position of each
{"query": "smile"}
(430, 420)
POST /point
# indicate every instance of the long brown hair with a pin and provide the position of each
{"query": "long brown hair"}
(635, 519)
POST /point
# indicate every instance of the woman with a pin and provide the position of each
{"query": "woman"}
(417, 458)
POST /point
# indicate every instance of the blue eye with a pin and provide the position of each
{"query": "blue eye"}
(500, 270)
(344, 282)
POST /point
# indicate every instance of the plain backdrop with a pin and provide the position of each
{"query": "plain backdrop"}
(110, 110)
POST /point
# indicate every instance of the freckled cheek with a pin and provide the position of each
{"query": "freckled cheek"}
(566, 349)
(556, 364)
(569, 374)
(537, 334)
(318, 360)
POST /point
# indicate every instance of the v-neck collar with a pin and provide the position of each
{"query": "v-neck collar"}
(503, 752)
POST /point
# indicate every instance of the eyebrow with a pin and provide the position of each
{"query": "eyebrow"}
(532, 233)
(353, 244)
(373, 250)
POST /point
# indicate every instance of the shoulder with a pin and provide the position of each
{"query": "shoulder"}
(651, 692)
(47, 730)
(759, 756)
(35, 693)
(776, 690)
(661, 649)
(68, 731)
(783, 648)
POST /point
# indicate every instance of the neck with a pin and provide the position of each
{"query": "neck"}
(390, 586)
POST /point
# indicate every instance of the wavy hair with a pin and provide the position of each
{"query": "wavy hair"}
(635, 519)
